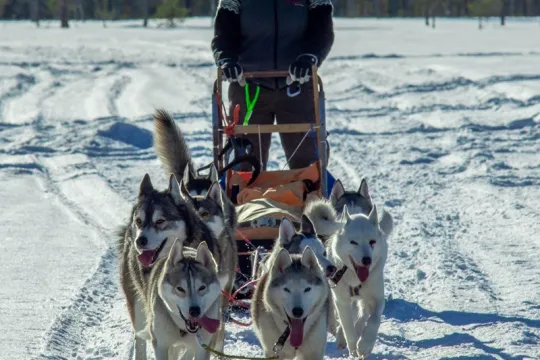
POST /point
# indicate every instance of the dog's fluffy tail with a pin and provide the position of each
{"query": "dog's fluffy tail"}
(324, 217)
(170, 145)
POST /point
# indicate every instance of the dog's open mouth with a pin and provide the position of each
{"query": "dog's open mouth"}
(208, 324)
(362, 272)
(148, 257)
(297, 331)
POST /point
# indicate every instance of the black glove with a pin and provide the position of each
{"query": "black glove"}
(232, 71)
(300, 70)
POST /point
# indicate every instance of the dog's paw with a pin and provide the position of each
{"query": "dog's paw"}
(365, 345)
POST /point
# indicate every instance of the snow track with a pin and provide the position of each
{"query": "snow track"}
(447, 134)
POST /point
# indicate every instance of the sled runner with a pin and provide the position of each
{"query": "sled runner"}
(263, 198)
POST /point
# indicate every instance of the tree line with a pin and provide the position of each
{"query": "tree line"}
(177, 9)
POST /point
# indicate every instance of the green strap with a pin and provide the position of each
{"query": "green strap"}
(250, 105)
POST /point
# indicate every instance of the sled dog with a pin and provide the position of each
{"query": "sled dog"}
(157, 218)
(183, 307)
(326, 214)
(295, 242)
(291, 303)
(215, 208)
(359, 251)
(171, 149)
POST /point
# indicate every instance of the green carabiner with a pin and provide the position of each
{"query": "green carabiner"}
(250, 105)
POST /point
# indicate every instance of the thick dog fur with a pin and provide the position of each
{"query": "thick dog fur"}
(183, 306)
(359, 296)
(172, 150)
(156, 219)
(293, 289)
(295, 242)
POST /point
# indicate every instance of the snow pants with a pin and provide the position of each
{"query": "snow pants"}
(277, 105)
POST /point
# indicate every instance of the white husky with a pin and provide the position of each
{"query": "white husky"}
(359, 250)
(291, 307)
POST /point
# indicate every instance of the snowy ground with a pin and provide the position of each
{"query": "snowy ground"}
(444, 123)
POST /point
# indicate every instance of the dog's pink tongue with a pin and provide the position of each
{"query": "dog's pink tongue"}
(297, 332)
(209, 324)
(146, 258)
(362, 272)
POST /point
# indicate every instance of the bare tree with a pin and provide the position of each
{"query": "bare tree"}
(144, 8)
(63, 13)
(34, 11)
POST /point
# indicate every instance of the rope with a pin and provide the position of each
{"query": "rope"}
(219, 353)
(298, 147)
(229, 128)
(250, 105)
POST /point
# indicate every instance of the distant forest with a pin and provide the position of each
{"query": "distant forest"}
(173, 10)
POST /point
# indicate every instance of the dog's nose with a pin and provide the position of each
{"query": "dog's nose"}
(330, 270)
(297, 312)
(194, 311)
(142, 241)
(366, 261)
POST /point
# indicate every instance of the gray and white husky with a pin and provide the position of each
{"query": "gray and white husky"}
(292, 296)
(171, 149)
(295, 242)
(214, 207)
(360, 251)
(157, 218)
(183, 303)
(326, 214)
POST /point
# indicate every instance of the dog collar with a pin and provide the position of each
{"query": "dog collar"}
(338, 275)
(355, 290)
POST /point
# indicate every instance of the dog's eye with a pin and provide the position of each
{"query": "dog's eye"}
(372, 243)
(324, 254)
(308, 289)
(202, 288)
(287, 290)
(354, 242)
(204, 213)
(138, 221)
(160, 221)
(181, 289)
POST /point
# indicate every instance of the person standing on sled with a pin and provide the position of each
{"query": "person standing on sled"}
(262, 35)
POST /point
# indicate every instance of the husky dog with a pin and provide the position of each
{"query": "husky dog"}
(326, 213)
(215, 208)
(156, 219)
(183, 307)
(295, 242)
(291, 303)
(171, 148)
(359, 250)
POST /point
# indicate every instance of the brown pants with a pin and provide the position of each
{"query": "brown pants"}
(271, 105)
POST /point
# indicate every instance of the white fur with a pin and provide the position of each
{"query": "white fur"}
(360, 335)
(279, 302)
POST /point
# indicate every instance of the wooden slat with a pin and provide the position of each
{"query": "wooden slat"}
(266, 74)
(265, 129)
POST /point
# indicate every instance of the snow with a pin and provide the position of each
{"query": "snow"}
(443, 122)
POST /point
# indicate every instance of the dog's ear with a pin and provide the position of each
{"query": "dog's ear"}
(175, 254)
(309, 259)
(215, 193)
(174, 190)
(387, 223)
(364, 190)
(337, 192)
(282, 262)
(373, 216)
(213, 174)
(346, 216)
(204, 256)
(184, 191)
(286, 231)
(146, 187)
(307, 226)
(188, 175)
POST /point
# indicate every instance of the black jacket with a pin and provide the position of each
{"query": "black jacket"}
(271, 34)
